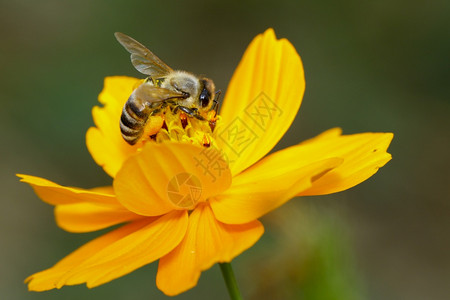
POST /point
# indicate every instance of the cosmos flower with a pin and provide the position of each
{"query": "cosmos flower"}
(191, 192)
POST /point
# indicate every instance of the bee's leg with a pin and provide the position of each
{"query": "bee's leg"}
(150, 79)
(172, 104)
(163, 105)
(198, 117)
(192, 112)
(157, 109)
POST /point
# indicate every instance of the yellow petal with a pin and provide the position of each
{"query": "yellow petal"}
(363, 155)
(117, 90)
(170, 176)
(207, 242)
(103, 189)
(48, 279)
(115, 254)
(85, 217)
(105, 142)
(55, 194)
(267, 185)
(261, 101)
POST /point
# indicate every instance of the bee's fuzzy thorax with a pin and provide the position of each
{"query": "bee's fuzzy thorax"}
(186, 82)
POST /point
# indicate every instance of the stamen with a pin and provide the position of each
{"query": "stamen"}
(212, 119)
(206, 141)
(184, 121)
(212, 124)
(164, 126)
(180, 127)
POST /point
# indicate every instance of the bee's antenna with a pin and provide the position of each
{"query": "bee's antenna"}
(218, 95)
(216, 101)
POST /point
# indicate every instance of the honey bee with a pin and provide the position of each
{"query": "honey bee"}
(180, 90)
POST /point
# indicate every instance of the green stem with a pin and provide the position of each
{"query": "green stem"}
(230, 280)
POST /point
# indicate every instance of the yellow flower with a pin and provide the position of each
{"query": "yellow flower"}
(193, 197)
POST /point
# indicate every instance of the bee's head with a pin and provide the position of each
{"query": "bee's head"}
(207, 93)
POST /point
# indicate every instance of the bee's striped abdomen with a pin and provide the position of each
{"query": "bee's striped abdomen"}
(133, 120)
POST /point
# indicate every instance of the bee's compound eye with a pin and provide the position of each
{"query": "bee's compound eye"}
(204, 98)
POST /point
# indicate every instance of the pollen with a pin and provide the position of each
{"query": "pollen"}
(212, 123)
(183, 119)
(206, 141)
(178, 126)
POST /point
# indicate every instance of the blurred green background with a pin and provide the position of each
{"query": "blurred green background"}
(370, 66)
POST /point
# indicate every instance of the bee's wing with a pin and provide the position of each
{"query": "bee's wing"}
(146, 94)
(143, 59)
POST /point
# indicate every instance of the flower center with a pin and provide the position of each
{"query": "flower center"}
(177, 126)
